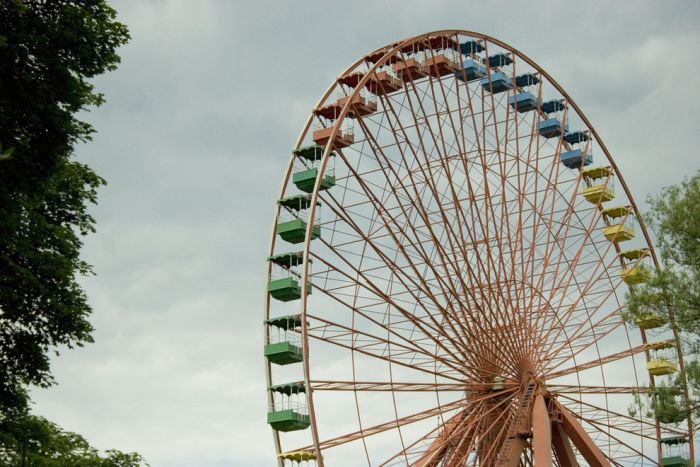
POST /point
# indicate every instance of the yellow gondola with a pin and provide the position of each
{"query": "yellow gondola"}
(597, 172)
(661, 367)
(616, 211)
(618, 232)
(635, 275)
(649, 320)
(598, 193)
(298, 456)
(638, 253)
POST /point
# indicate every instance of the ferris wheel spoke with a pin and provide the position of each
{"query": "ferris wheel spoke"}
(429, 330)
(423, 287)
(456, 441)
(578, 389)
(599, 272)
(383, 349)
(469, 436)
(535, 301)
(521, 249)
(599, 361)
(501, 151)
(423, 216)
(605, 278)
(563, 221)
(455, 134)
(615, 444)
(528, 252)
(428, 166)
(567, 280)
(588, 411)
(396, 386)
(505, 214)
(581, 341)
(393, 424)
(414, 291)
(436, 196)
(620, 448)
(443, 256)
(439, 441)
(591, 307)
(549, 192)
(480, 218)
(485, 178)
(456, 446)
(416, 247)
(476, 279)
(343, 334)
(581, 289)
(450, 181)
(457, 437)
(410, 354)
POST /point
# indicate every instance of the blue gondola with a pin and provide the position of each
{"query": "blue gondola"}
(499, 60)
(471, 47)
(528, 79)
(497, 82)
(552, 106)
(576, 137)
(523, 102)
(472, 69)
(552, 128)
(575, 159)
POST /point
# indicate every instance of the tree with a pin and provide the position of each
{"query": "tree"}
(675, 219)
(34, 441)
(48, 52)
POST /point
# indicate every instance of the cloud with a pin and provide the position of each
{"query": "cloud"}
(194, 139)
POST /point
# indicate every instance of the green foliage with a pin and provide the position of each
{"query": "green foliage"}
(48, 51)
(675, 218)
(34, 441)
(6, 153)
(666, 404)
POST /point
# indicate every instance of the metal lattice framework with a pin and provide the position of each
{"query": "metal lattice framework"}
(447, 276)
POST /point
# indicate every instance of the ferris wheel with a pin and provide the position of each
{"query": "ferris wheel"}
(452, 250)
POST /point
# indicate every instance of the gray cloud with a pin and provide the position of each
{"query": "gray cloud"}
(194, 139)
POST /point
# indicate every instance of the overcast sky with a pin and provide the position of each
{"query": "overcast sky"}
(194, 138)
